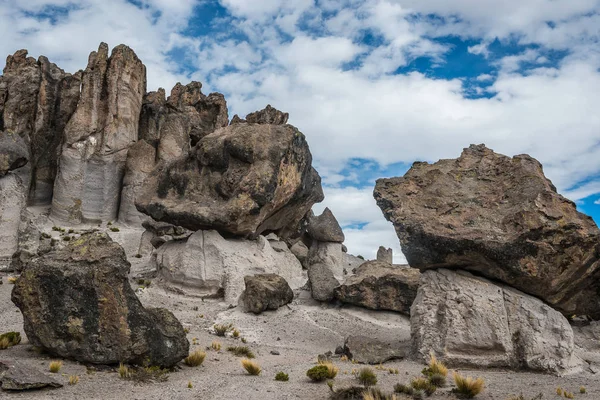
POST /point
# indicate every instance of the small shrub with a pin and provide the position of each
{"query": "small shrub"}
(376, 394)
(244, 340)
(114, 229)
(190, 385)
(124, 372)
(318, 373)
(568, 395)
(367, 377)
(4, 343)
(559, 391)
(418, 394)
(467, 387)
(195, 359)
(55, 366)
(109, 223)
(12, 279)
(403, 389)
(330, 385)
(437, 380)
(435, 367)
(251, 367)
(282, 376)
(222, 329)
(73, 380)
(235, 333)
(216, 346)
(241, 351)
(138, 255)
(332, 370)
(424, 385)
(582, 389)
(14, 338)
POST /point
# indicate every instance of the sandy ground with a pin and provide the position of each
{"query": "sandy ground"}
(299, 332)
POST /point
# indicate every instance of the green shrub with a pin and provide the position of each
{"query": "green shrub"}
(13, 338)
(241, 351)
(367, 377)
(467, 387)
(282, 376)
(318, 373)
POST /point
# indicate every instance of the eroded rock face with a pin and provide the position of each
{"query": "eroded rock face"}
(380, 286)
(325, 227)
(268, 115)
(13, 199)
(13, 152)
(500, 217)
(244, 179)
(208, 264)
(370, 350)
(98, 135)
(77, 303)
(266, 292)
(469, 321)
(385, 255)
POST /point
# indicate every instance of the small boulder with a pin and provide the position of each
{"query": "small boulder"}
(381, 286)
(16, 376)
(322, 282)
(369, 350)
(77, 303)
(266, 292)
(325, 227)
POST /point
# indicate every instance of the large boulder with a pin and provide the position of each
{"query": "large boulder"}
(98, 135)
(77, 303)
(208, 264)
(369, 350)
(325, 227)
(500, 217)
(328, 253)
(380, 286)
(243, 179)
(322, 282)
(469, 321)
(265, 292)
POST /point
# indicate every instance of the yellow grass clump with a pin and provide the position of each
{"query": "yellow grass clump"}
(251, 367)
(195, 359)
(468, 387)
(55, 366)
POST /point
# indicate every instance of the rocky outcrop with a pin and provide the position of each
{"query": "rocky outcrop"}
(98, 135)
(325, 227)
(469, 321)
(244, 179)
(208, 264)
(13, 199)
(322, 282)
(140, 162)
(13, 152)
(265, 292)
(385, 255)
(77, 303)
(500, 217)
(268, 115)
(380, 286)
(368, 350)
(16, 376)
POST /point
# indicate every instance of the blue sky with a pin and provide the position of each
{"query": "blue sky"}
(374, 85)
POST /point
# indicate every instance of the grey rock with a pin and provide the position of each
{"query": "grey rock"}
(367, 350)
(328, 253)
(16, 376)
(300, 250)
(13, 152)
(469, 321)
(13, 200)
(501, 218)
(325, 227)
(385, 255)
(268, 115)
(322, 282)
(139, 163)
(380, 286)
(266, 292)
(77, 303)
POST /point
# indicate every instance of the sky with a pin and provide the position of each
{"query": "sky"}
(374, 85)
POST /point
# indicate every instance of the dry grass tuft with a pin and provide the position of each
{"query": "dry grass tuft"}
(55, 366)
(216, 346)
(195, 359)
(367, 377)
(190, 385)
(124, 371)
(222, 329)
(4, 343)
(467, 387)
(251, 367)
(332, 370)
(241, 351)
(73, 380)
(12, 279)
(235, 333)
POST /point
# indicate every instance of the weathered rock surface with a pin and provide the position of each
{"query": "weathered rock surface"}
(322, 282)
(13, 152)
(140, 162)
(328, 253)
(208, 264)
(380, 286)
(385, 255)
(500, 217)
(469, 321)
(244, 179)
(13, 199)
(367, 350)
(266, 292)
(77, 303)
(15, 376)
(325, 227)
(98, 135)
(268, 115)
(300, 250)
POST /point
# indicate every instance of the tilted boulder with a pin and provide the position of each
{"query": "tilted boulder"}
(469, 321)
(268, 115)
(16, 376)
(325, 227)
(244, 179)
(207, 264)
(77, 303)
(500, 217)
(98, 135)
(265, 292)
(322, 282)
(380, 286)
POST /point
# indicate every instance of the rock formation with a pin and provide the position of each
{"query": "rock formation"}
(77, 303)
(380, 286)
(268, 115)
(385, 255)
(265, 292)
(469, 321)
(244, 180)
(501, 218)
(322, 282)
(16, 376)
(98, 136)
(324, 228)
